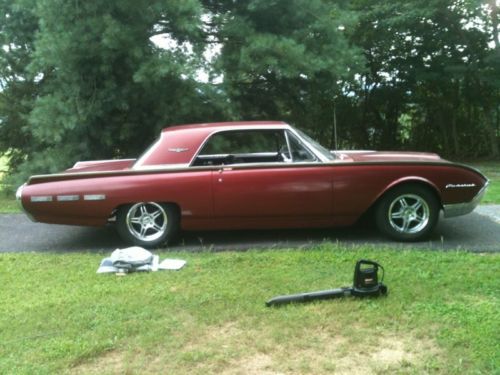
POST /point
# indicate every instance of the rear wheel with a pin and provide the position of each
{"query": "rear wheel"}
(147, 224)
(407, 213)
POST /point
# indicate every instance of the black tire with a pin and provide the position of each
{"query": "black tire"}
(147, 224)
(407, 213)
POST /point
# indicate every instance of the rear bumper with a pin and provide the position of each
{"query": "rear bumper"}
(19, 198)
(458, 209)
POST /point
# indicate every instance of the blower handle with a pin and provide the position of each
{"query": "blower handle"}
(360, 262)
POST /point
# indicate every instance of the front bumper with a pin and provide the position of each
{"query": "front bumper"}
(458, 209)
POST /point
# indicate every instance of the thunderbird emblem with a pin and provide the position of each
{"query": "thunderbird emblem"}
(178, 149)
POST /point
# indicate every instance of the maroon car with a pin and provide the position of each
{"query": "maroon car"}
(253, 175)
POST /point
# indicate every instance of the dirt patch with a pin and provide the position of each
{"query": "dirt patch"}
(111, 362)
(328, 354)
(230, 350)
(258, 364)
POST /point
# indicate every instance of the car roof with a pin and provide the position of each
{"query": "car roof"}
(230, 124)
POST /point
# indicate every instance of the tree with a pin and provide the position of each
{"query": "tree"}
(103, 89)
(427, 64)
(18, 86)
(285, 59)
(83, 80)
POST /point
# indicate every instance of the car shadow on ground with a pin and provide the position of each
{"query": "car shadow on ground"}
(472, 232)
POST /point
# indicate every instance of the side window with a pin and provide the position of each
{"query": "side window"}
(244, 142)
(243, 146)
(297, 150)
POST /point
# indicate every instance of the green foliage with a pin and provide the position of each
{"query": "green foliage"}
(287, 59)
(93, 83)
(441, 314)
(83, 80)
(430, 61)
(8, 203)
(99, 96)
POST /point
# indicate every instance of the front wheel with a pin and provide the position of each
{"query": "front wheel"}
(407, 213)
(147, 224)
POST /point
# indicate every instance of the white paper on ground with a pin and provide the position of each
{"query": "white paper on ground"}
(156, 261)
(109, 265)
(171, 264)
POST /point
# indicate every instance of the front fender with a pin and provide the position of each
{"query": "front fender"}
(412, 179)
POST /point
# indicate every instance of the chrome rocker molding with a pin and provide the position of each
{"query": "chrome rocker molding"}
(458, 209)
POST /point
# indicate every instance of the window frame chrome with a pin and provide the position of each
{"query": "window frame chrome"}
(285, 128)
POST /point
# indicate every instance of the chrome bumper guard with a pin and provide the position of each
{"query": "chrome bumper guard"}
(458, 209)
(19, 196)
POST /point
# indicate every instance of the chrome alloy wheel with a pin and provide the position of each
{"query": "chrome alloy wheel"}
(147, 221)
(409, 213)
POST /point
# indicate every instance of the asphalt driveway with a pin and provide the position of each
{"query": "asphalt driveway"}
(479, 232)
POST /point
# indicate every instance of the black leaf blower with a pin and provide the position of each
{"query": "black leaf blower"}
(365, 284)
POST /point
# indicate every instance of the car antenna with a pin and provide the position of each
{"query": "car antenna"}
(335, 124)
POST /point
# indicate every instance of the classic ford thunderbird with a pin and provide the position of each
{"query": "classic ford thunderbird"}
(253, 175)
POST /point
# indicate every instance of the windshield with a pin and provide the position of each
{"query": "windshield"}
(327, 154)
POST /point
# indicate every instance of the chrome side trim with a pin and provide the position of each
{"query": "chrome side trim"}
(67, 198)
(459, 209)
(171, 168)
(94, 197)
(162, 167)
(242, 155)
(41, 198)
(83, 162)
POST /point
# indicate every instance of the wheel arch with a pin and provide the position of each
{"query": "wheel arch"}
(411, 180)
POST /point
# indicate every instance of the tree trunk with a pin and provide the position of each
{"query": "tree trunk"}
(492, 133)
(454, 134)
(444, 132)
(454, 111)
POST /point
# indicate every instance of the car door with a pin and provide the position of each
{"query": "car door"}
(268, 173)
(272, 191)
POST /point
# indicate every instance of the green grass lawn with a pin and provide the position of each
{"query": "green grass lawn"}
(492, 171)
(8, 204)
(442, 314)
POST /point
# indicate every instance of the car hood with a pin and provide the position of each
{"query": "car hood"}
(385, 156)
(101, 165)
